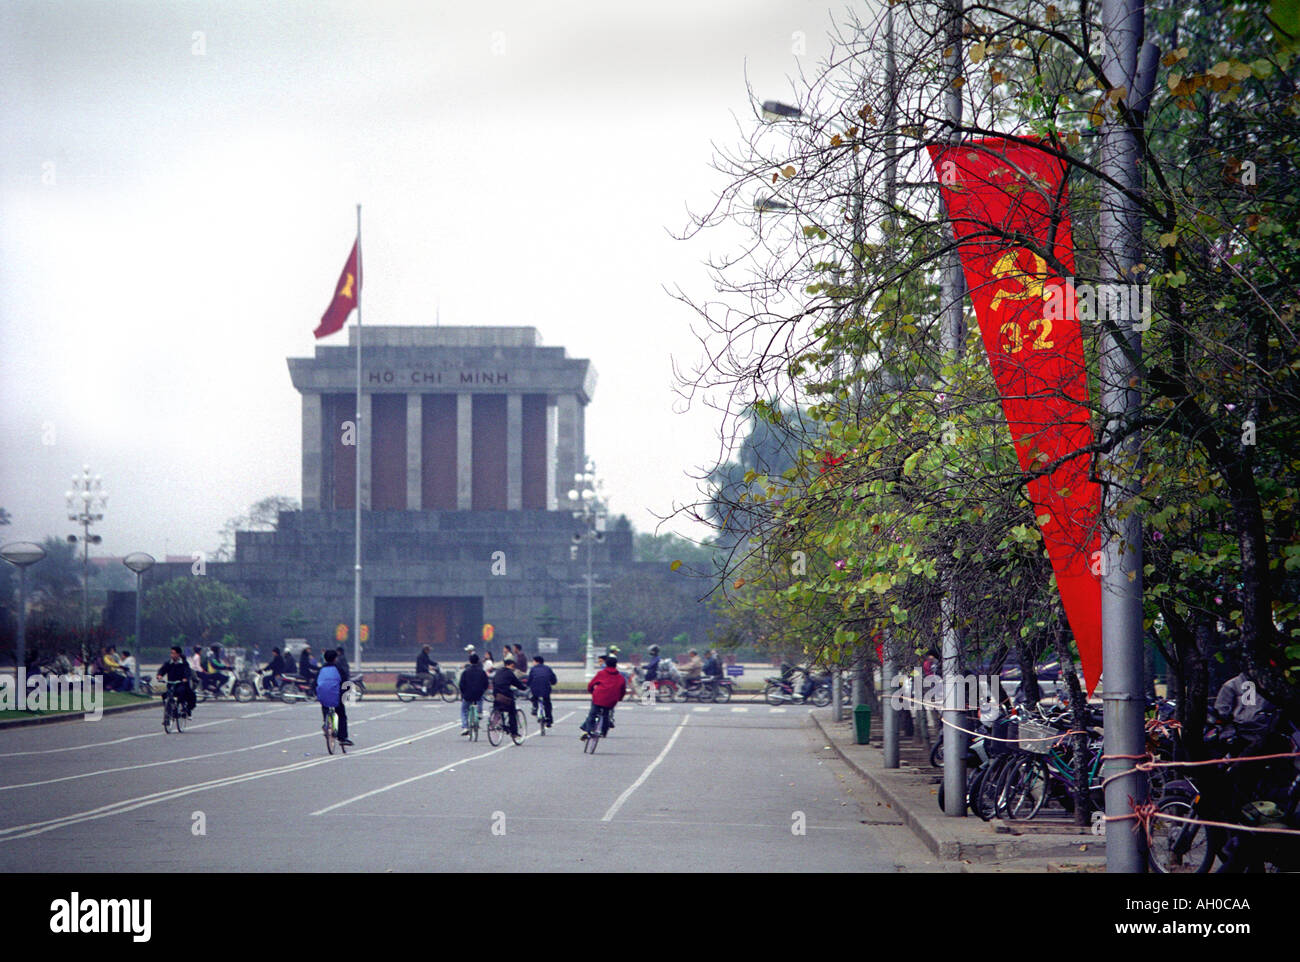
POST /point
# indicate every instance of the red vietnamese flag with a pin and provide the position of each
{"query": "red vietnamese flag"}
(992, 190)
(346, 295)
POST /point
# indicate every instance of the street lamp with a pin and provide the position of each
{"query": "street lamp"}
(87, 500)
(139, 562)
(592, 515)
(22, 554)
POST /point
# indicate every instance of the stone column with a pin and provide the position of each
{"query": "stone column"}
(551, 494)
(566, 444)
(365, 446)
(464, 451)
(414, 452)
(312, 456)
(514, 452)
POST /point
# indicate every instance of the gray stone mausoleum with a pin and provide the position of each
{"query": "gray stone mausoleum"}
(471, 438)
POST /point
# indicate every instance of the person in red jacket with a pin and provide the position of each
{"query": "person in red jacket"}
(607, 689)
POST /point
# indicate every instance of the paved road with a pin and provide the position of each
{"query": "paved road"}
(249, 787)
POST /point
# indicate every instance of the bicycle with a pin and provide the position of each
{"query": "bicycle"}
(497, 727)
(471, 716)
(542, 718)
(331, 730)
(589, 743)
(173, 713)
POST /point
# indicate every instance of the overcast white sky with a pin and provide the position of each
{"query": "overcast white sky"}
(178, 185)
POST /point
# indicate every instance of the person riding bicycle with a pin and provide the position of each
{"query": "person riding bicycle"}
(540, 679)
(329, 692)
(473, 683)
(178, 672)
(607, 688)
(504, 683)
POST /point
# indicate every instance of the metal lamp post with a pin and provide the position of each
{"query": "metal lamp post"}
(87, 500)
(588, 512)
(139, 562)
(22, 555)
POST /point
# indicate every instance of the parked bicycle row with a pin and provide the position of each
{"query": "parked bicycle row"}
(1023, 762)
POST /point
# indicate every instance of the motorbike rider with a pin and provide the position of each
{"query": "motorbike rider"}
(427, 669)
(473, 683)
(216, 666)
(307, 666)
(652, 666)
(504, 683)
(178, 672)
(713, 669)
(694, 668)
(276, 667)
(329, 692)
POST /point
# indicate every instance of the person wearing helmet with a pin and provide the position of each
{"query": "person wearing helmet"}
(652, 666)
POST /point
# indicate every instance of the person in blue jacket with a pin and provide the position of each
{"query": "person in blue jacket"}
(540, 680)
(329, 689)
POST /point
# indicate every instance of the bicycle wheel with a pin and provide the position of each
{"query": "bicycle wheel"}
(471, 715)
(521, 727)
(1176, 847)
(936, 753)
(589, 746)
(167, 716)
(984, 799)
(541, 719)
(328, 728)
(496, 728)
(1027, 788)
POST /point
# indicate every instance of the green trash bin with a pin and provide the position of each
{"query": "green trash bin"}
(862, 723)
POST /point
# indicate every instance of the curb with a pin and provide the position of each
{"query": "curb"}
(929, 828)
(67, 716)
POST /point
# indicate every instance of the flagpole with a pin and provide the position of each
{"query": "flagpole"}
(356, 610)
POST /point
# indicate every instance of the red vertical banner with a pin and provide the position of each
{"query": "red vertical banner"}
(1006, 202)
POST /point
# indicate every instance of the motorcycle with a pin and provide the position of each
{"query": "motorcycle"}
(208, 686)
(438, 682)
(723, 687)
(254, 684)
(781, 690)
(296, 688)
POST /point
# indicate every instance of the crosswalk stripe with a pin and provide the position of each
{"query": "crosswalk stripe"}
(740, 708)
(776, 711)
(704, 708)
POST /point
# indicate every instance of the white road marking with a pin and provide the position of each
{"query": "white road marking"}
(662, 708)
(776, 711)
(131, 804)
(187, 758)
(115, 741)
(436, 771)
(740, 708)
(704, 708)
(618, 803)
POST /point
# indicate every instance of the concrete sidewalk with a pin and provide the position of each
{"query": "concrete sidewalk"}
(1049, 843)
